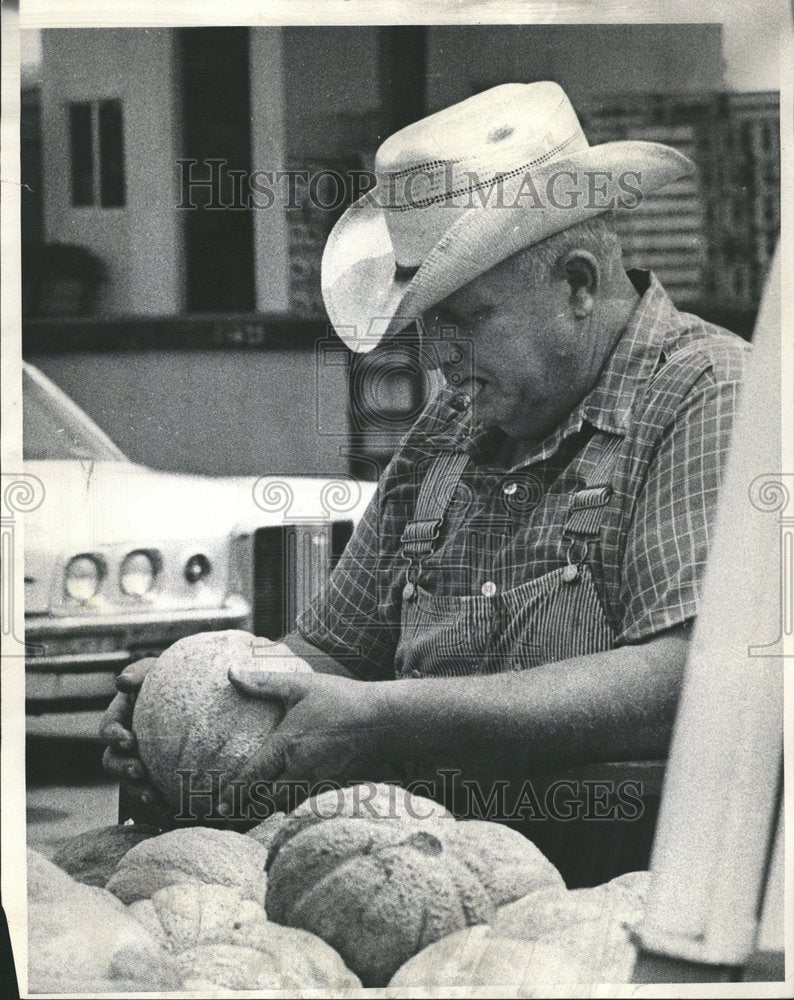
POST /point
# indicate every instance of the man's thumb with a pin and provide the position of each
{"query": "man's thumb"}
(256, 683)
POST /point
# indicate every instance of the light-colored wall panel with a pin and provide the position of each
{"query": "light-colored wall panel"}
(141, 243)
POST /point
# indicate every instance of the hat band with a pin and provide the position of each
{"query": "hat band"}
(575, 142)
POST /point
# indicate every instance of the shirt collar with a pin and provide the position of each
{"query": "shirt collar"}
(609, 403)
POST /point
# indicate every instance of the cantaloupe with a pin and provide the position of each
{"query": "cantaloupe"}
(185, 916)
(79, 935)
(264, 833)
(545, 939)
(92, 857)
(289, 961)
(228, 942)
(188, 718)
(479, 959)
(620, 902)
(190, 857)
(380, 882)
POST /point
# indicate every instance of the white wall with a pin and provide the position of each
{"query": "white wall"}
(141, 243)
(269, 153)
(752, 41)
(311, 89)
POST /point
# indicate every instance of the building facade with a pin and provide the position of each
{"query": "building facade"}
(228, 120)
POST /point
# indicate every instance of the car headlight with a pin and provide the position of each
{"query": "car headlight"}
(83, 577)
(137, 574)
(196, 568)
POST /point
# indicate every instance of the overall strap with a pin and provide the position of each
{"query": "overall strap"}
(586, 509)
(439, 485)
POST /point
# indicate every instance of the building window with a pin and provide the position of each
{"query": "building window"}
(96, 144)
(81, 141)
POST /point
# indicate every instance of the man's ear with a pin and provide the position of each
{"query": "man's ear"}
(582, 273)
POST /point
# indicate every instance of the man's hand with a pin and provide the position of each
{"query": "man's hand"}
(334, 729)
(120, 759)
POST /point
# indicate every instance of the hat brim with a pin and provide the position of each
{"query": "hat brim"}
(366, 300)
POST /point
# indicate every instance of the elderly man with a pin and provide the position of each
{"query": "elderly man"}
(522, 584)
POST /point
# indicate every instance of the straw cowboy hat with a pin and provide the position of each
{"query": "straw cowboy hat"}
(462, 190)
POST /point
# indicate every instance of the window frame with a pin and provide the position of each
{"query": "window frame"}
(100, 163)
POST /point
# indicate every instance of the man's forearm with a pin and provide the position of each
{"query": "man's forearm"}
(616, 705)
(317, 659)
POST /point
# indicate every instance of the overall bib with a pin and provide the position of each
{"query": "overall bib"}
(551, 617)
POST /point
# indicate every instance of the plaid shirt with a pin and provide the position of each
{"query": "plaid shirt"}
(509, 530)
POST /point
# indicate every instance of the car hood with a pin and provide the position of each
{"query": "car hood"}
(88, 501)
(89, 504)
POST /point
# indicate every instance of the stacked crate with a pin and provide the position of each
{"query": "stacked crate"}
(739, 155)
(709, 238)
(665, 232)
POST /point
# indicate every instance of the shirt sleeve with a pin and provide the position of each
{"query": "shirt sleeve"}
(670, 533)
(355, 619)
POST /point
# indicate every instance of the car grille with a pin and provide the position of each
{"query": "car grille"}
(291, 563)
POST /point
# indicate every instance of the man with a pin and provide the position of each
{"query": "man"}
(523, 583)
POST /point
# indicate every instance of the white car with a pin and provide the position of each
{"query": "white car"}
(121, 560)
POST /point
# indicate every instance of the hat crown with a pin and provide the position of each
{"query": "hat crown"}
(530, 118)
(443, 164)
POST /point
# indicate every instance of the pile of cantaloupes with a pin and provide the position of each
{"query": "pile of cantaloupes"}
(368, 885)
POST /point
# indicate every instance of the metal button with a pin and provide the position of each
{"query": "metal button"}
(488, 588)
(509, 489)
(570, 573)
(408, 591)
